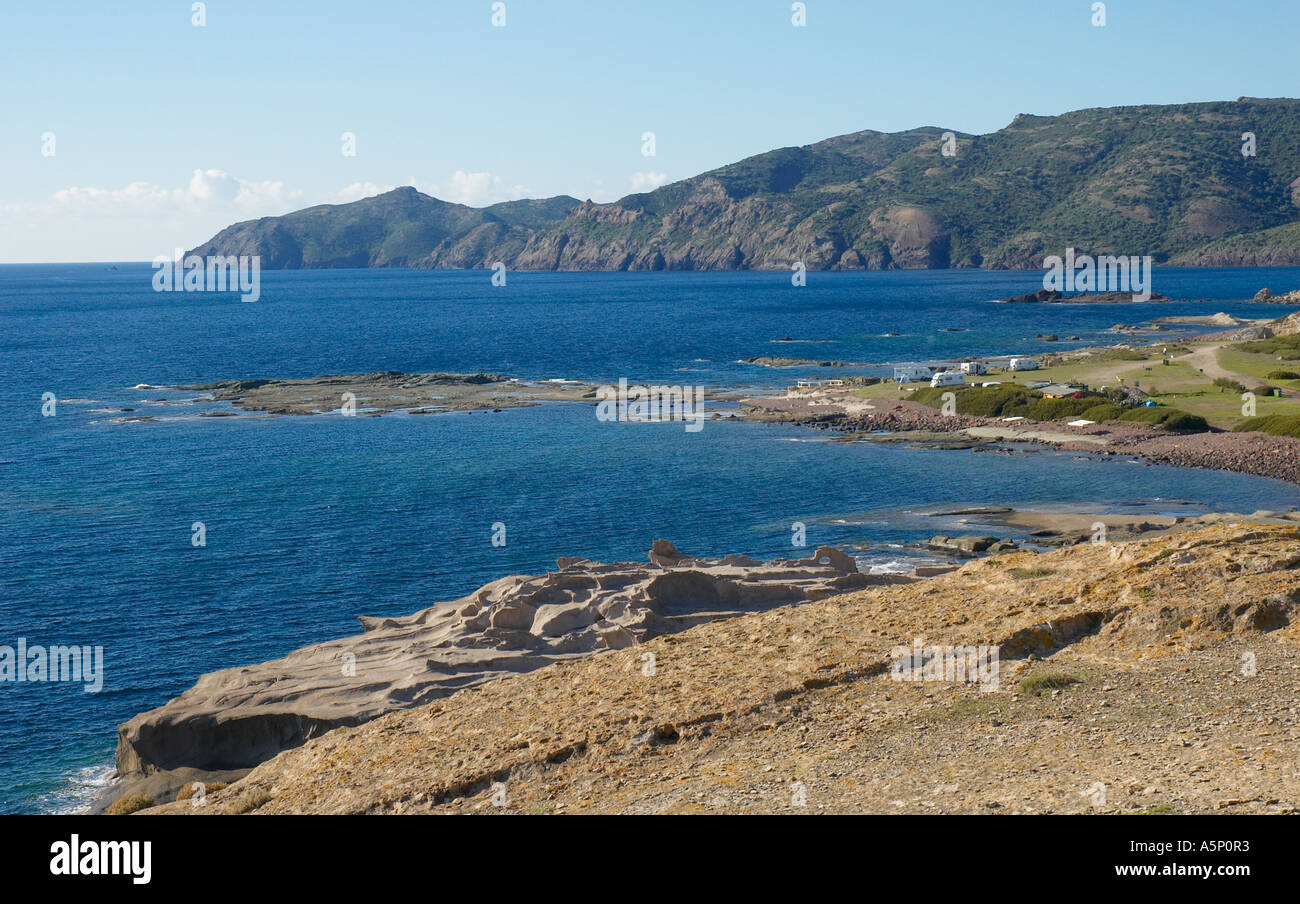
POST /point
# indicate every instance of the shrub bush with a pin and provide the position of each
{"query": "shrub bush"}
(981, 401)
(1107, 411)
(1143, 415)
(251, 801)
(1054, 409)
(1225, 383)
(189, 789)
(1169, 418)
(1001, 401)
(124, 806)
(1283, 375)
(1272, 424)
(995, 401)
(1182, 422)
(1285, 347)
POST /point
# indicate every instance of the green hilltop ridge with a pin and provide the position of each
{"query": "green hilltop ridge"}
(400, 228)
(1169, 181)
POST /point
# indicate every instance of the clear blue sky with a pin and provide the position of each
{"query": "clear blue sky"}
(555, 102)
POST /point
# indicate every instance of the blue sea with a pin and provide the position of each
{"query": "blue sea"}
(312, 521)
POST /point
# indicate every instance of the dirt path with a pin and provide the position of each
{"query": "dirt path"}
(1206, 360)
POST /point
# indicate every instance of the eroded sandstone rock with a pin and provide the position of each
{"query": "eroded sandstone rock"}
(236, 718)
(1153, 637)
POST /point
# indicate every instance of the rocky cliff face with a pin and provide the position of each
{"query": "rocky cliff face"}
(1169, 181)
(236, 718)
(1163, 670)
(1276, 247)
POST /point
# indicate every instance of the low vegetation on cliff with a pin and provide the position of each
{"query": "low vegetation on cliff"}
(1017, 401)
(1274, 425)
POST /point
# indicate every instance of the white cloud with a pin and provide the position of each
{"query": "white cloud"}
(138, 220)
(647, 181)
(476, 189)
(209, 185)
(220, 186)
(136, 195)
(207, 189)
(358, 190)
(142, 219)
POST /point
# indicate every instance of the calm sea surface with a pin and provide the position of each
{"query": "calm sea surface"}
(313, 521)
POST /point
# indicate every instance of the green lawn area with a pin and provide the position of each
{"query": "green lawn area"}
(1177, 385)
(886, 390)
(1180, 385)
(1258, 366)
(1222, 408)
(1156, 378)
(1102, 371)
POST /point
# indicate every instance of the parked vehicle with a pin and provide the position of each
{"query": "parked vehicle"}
(912, 373)
(948, 378)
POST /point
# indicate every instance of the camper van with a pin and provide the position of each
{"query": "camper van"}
(1022, 364)
(974, 368)
(911, 373)
(948, 378)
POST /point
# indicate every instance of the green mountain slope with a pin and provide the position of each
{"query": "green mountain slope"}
(400, 228)
(1169, 181)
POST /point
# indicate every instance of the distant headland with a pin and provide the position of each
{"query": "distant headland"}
(926, 198)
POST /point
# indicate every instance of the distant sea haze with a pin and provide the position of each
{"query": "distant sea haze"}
(311, 521)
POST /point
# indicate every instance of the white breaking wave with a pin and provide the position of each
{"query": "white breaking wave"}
(82, 787)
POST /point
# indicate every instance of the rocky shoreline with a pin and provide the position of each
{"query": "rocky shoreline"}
(236, 718)
(1161, 670)
(855, 419)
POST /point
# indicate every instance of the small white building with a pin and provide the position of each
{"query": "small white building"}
(974, 368)
(948, 378)
(910, 373)
(1022, 364)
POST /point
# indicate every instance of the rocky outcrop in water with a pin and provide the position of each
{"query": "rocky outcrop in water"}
(1054, 296)
(1266, 296)
(378, 393)
(777, 361)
